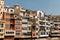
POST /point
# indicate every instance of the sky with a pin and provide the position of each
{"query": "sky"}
(48, 6)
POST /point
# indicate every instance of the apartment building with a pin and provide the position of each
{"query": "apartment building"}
(17, 23)
(43, 25)
(24, 24)
(55, 29)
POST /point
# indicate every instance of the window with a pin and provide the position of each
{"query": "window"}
(36, 33)
(42, 23)
(11, 10)
(47, 24)
(7, 26)
(5, 10)
(42, 28)
(18, 33)
(1, 30)
(7, 14)
(46, 33)
(56, 24)
(8, 20)
(1, 25)
(24, 28)
(33, 27)
(42, 33)
(17, 20)
(1, 34)
(29, 28)
(9, 32)
(27, 34)
(36, 28)
(55, 28)
(59, 24)
(0, 12)
(24, 22)
(24, 34)
(47, 28)
(17, 26)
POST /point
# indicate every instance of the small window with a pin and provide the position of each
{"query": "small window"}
(0, 12)
(7, 14)
(8, 20)
(46, 33)
(1, 30)
(36, 28)
(9, 32)
(42, 33)
(24, 22)
(11, 10)
(47, 28)
(7, 26)
(17, 20)
(1, 25)
(18, 33)
(29, 28)
(55, 28)
(42, 23)
(1, 34)
(17, 26)
(24, 28)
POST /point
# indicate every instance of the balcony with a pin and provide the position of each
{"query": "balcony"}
(45, 25)
(55, 35)
(55, 31)
(43, 21)
(24, 25)
(26, 35)
(25, 31)
(43, 34)
(9, 32)
(24, 20)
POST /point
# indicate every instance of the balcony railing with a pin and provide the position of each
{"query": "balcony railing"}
(55, 31)
(24, 20)
(24, 25)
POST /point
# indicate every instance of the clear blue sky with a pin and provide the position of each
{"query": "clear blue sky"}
(48, 6)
